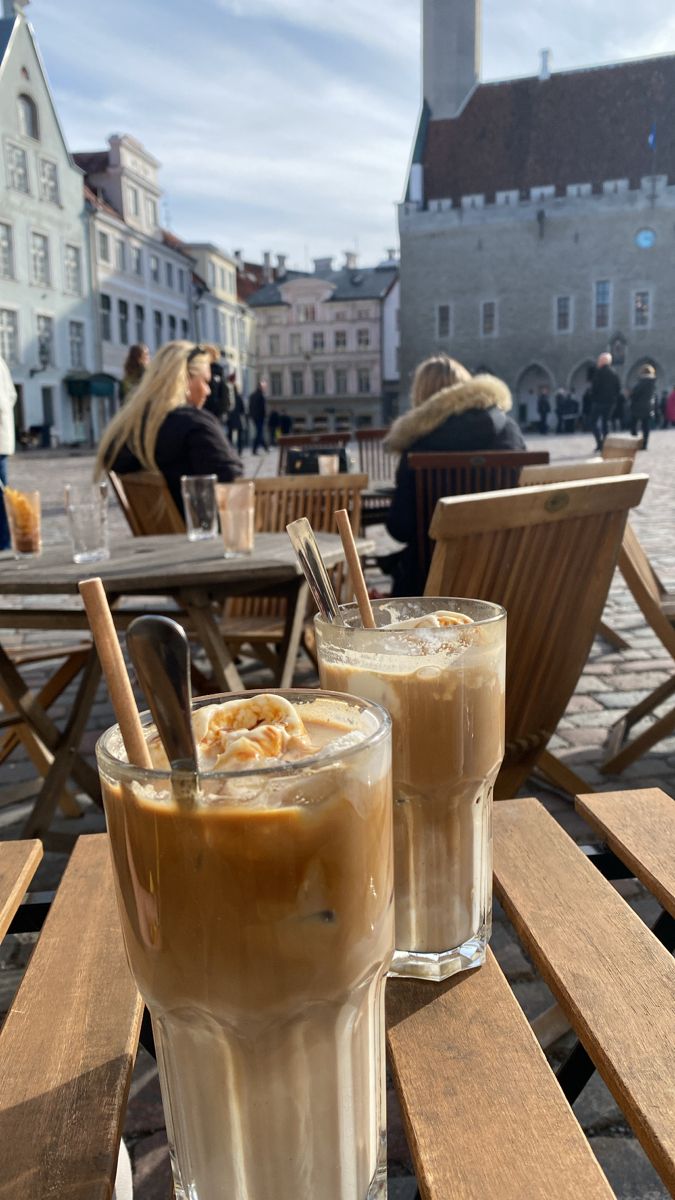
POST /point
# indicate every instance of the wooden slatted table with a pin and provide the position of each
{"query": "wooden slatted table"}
(485, 1116)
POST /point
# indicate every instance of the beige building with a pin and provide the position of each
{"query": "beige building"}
(321, 342)
(220, 317)
(537, 227)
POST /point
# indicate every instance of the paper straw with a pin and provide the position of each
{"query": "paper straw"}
(115, 671)
(355, 570)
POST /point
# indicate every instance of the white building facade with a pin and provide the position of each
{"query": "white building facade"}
(47, 332)
(220, 318)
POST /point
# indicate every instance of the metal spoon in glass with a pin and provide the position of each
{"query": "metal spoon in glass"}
(309, 556)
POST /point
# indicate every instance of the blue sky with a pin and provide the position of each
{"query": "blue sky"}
(286, 125)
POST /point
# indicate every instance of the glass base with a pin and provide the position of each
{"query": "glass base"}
(414, 964)
(91, 556)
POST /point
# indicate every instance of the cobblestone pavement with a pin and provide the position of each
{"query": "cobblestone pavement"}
(611, 682)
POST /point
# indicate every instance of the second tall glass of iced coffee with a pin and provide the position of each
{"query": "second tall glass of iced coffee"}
(438, 666)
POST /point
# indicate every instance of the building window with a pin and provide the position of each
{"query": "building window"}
(317, 341)
(442, 320)
(151, 213)
(134, 206)
(137, 260)
(363, 338)
(275, 383)
(221, 279)
(296, 343)
(106, 321)
(184, 328)
(123, 321)
(602, 303)
(76, 342)
(172, 329)
(275, 344)
(103, 247)
(49, 181)
(6, 252)
(306, 312)
(319, 383)
(340, 381)
(488, 318)
(340, 339)
(139, 322)
(641, 310)
(17, 169)
(297, 383)
(39, 259)
(215, 323)
(168, 269)
(181, 279)
(211, 274)
(9, 335)
(159, 332)
(364, 380)
(45, 333)
(154, 268)
(120, 255)
(73, 270)
(28, 117)
(563, 314)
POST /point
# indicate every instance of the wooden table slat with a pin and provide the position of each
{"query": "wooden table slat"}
(68, 1045)
(483, 1112)
(639, 826)
(610, 975)
(18, 863)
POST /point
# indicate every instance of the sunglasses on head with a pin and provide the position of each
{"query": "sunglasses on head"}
(195, 352)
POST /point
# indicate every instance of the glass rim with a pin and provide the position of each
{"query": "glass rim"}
(497, 614)
(105, 759)
(189, 478)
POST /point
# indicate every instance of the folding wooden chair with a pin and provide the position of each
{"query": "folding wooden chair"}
(548, 555)
(658, 608)
(146, 503)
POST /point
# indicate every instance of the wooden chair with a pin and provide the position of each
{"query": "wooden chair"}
(548, 555)
(658, 608)
(146, 503)
(263, 622)
(621, 445)
(374, 461)
(438, 475)
(300, 441)
(567, 472)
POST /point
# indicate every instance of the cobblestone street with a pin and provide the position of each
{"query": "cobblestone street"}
(612, 682)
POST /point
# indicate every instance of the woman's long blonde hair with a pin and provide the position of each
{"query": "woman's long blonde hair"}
(163, 387)
(433, 375)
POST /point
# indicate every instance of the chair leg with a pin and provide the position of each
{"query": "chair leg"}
(48, 694)
(562, 775)
(611, 636)
(617, 755)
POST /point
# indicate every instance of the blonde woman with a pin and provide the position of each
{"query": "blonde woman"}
(450, 411)
(163, 427)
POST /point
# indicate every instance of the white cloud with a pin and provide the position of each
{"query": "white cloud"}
(392, 27)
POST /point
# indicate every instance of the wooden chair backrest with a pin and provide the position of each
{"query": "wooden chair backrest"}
(566, 472)
(646, 587)
(621, 445)
(148, 504)
(547, 554)
(438, 475)
(284, 499)
(300, 441)
(376, 462)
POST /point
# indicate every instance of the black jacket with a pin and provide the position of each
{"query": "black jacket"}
(190, 442)
(466, 417)
(605, 389)
(257, 405)
(642, 398)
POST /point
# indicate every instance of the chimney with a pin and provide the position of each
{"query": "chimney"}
(350, 260)
(281, 265)
(391, 255)
(267, 267)
(545, 68)
(451, 45)
(13, 8)
(239, 259)
(322, 266)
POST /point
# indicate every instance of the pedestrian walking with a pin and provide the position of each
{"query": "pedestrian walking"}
(560, 402)
(236, 417)
(605, 390)
(543, 408)
(643, 403)
(7, 441)
(257, 410)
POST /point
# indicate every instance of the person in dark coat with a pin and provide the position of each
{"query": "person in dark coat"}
(560, 409)
(257, 410)
(451, 411)
(643, 403)
(543, 408)
(219, 399)
(236, 417)
(163, 426)
(605, 392)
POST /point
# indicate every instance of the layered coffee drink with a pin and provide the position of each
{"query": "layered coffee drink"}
(257, 910)
(438, 666)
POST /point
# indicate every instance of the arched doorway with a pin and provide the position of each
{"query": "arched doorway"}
(579, 379)
(530, 383)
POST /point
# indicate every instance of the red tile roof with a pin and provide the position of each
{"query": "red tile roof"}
(98, 201)
(576, 127)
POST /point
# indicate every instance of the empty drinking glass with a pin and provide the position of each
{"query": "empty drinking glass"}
(87, 513)
(201, 511)
(236, 506)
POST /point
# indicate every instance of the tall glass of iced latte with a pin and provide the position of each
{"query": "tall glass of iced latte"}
(257, 911)
(438, 666)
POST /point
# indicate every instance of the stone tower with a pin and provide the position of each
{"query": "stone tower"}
(451, 37)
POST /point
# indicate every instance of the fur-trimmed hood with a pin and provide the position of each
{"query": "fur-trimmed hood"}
(482, 392)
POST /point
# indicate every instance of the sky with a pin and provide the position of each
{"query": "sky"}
(287, 125)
